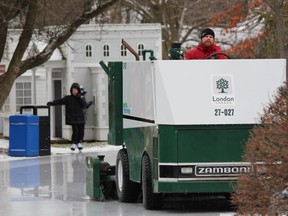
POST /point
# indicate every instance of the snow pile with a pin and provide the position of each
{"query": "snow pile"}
(65, 149)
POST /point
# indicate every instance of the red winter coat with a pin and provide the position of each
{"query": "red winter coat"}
(201, 52)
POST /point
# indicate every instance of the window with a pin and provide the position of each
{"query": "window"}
(106, 50)
(23, 94)
(140, 49)
(123, 50)
(88, 51)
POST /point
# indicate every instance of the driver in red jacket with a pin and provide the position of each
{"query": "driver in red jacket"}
(206, 47)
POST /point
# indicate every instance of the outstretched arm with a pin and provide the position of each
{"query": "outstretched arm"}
(61, 101)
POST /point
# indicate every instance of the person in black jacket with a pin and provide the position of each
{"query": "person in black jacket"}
(74, 103)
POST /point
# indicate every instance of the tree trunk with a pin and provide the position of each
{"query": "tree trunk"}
(280, 8)
(282, 31)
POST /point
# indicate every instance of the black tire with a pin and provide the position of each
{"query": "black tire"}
(127, 190)
(151, 201)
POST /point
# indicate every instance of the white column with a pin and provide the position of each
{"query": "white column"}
(100, 98)
(49, 91)
(33, 86)
(49, 83)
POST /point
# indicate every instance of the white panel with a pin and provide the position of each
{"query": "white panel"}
(138, 93)
(215, 91)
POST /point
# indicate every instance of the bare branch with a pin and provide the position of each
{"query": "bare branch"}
(33, 27)
(24, 38)
(63, 37)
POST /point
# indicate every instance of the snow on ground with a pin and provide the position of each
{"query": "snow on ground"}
(56, 149)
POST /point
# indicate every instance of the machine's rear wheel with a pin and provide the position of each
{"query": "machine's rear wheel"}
(150, 200)
(127, 190)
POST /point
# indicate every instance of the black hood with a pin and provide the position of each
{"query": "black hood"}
(75, 85)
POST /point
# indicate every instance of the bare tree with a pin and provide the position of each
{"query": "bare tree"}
(179, 18)
(29, 15)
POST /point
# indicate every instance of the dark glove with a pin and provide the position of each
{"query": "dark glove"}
(79, 95)
(49, 103)
(89, 104)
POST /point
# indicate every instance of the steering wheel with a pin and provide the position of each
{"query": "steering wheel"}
(217, 53)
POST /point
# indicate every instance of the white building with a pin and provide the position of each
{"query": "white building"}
(79, 62)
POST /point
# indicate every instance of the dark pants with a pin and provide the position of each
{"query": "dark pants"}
(77, 133)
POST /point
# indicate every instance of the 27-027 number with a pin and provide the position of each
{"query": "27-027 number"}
(224, 112)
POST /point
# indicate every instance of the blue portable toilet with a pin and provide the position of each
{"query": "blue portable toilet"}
(24, 135)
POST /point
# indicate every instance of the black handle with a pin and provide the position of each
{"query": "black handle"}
(35, 108)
